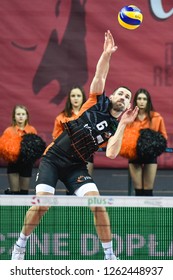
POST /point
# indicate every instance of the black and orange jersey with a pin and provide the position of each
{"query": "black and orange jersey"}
(91, 130)
(98, 119)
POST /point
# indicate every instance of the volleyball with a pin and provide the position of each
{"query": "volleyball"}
(130, 17)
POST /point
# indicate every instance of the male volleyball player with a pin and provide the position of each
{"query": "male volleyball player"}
(66, 158)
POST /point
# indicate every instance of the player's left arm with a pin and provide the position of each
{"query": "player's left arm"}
(114, 142)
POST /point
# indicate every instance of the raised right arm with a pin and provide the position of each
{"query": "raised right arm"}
(102, 68)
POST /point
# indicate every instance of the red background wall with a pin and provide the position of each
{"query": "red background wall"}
(47, 46)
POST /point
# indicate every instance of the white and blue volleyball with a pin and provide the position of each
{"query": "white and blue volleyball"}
(130, 17)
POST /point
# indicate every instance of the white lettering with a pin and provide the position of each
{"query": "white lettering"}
(2, 249)
(152, 246)
(170, 250)
(119, 244)
(134, 241)
(60, 244)
(89, 244)
(158, 11)
(43, 244)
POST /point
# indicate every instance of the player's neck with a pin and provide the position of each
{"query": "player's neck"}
(115, 113)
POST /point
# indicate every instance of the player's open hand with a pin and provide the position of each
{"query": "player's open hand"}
(130, 115)
(109, 44)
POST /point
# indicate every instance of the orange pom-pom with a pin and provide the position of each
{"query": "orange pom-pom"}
(129, 142)
(10, 147)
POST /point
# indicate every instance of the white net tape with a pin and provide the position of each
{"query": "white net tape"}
(107, 201)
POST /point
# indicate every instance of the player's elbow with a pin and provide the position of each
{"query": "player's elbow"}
(110, 154)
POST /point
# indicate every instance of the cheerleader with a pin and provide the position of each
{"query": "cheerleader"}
(17, 148)
(143, 141)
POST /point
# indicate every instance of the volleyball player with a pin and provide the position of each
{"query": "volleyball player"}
(66, 158)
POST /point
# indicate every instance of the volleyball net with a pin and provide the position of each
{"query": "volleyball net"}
(142, 227)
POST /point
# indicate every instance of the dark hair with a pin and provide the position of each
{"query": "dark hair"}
(68, 106)
(149, 106)
(14, 112)
(122, 87)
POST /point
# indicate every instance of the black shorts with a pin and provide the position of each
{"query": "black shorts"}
(143, 161)
(23, 169)
(54, 167)
(62, 163)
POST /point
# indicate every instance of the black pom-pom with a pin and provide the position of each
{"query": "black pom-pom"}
(32, 148)
(150, 144)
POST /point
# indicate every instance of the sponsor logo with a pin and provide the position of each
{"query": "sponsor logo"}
(35, 200)
(100, 201)
(82, 179)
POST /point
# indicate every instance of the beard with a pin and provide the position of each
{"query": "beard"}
(118, 106)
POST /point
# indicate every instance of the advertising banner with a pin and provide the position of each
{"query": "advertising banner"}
(68, 233)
